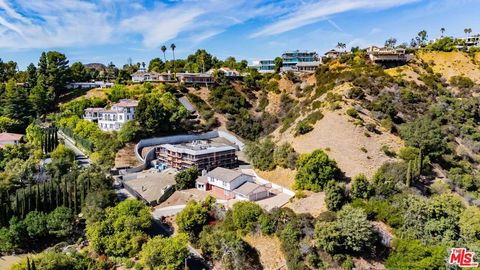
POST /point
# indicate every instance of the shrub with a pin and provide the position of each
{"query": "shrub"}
(352, 113)
(361, 187)
(335, 196)
(315, 170)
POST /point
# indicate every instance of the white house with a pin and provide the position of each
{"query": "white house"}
(114, 118)
(229, 73)
(230, 184)
(89, 85)
(143, 76)
(9, 138)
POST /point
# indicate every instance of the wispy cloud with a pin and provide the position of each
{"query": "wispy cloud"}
(76, 23)
(52, 24)
(311, 12)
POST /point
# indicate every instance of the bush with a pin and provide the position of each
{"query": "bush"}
(335, 196)
(186, 178)
(303, 127)
(192, 218)
(245, 215)
(352, 113)
(315, 170)
(361, 187)
(461, 82)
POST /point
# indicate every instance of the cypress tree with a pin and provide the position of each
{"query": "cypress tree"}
(420, 163)
(44, 202)
(50, 196)
(74, 196)
(29, 198)
(409, 174)
(33, 265)
(23, 203)
(65, 193)
(57, 195)
(37, 198)
(17, 203)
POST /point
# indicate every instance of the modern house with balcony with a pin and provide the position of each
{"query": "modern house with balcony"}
(388, 56)
(204, 155)
(112, 119)
(290, 60)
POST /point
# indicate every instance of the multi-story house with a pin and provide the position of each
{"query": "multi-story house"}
(112, 119)
(230, 184)
(202, 154)
(290, 60)
(143, 76)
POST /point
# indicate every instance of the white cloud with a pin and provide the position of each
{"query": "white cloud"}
(312, 12)
(52, 24)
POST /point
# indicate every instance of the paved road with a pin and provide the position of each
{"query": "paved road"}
(80, 156)
(167, 211)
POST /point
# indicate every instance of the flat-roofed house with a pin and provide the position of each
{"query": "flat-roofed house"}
(230, 184)
(142, 75)
(9, 138)
(195, 78)
(202, 154)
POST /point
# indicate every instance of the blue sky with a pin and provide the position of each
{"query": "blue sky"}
(116, 30)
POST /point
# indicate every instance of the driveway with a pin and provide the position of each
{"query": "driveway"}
(167, 211)
(80, 156)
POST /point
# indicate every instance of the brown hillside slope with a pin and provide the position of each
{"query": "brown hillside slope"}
(451, 64)
(346, 143)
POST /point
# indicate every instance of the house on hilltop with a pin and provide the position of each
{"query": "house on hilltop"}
(112, 119)
(142, 75)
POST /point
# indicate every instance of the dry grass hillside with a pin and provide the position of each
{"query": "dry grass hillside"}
(345, 142)
(451, 64)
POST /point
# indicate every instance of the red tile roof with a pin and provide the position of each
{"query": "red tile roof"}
(5, 136)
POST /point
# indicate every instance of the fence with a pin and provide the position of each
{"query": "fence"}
(84, 143)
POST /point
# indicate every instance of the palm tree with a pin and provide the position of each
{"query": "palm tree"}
(341, 45)
(172, 46)
(164, 49)
(442, 30)
(467, 31)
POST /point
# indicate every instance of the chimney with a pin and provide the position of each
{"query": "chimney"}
(204, 172)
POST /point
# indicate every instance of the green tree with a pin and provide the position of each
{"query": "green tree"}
(156, 65)
(335, 196)
(192, 218)
(31, 75)
(39, 98)
(470, 225)
(416, 255)
(285, 156)
(57, 74)
(261, 154)
(315, 170)
(165, 253)
(129, 132)
(78, 72)
(122, 231)
(15, 103)
(36, 224)
(361, 187)
(350, 233)
(186, 178)
(60, 222)
(245, 215)
(8, 124)
(278, 64)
